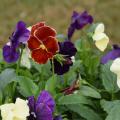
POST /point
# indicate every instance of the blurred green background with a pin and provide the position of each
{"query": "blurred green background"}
(57, 13)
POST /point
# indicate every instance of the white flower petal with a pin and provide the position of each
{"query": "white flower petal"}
(21, 109)
(8, 43)
(118, 81)
(102, 43)
(6, 111)
(25, 61)
(115, 67)
(100, 28)
(97, 37)
(17, 111)
(73, 59)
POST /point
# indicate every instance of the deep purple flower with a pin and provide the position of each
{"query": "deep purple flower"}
(113, 54)
(58, 118)
(42, 108)
(79, 20)
(68, 50)
(20, 35)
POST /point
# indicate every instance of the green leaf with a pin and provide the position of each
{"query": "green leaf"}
(84, 112)
(71, 74)
(1, 57)
(27, 87)
(114, 113)
(6, 77)
(90, 92)
(112, 108)
(51, 84)
(109, 79)
(73, 99)
(108, 105)
(1, 97)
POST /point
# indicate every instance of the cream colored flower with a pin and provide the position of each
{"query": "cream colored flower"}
(115, 68)
(17, 111)
(25, 61)
(100, 38)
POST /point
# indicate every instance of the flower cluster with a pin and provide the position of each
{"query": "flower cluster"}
(40, 109)
(39, 44)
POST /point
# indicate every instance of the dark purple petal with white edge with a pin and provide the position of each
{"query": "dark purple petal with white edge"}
(58, 118)
(31, 103)
(61, 69)
(43, 112)
(10, 54)
(67, 48)
(112, 55)
(47, 99)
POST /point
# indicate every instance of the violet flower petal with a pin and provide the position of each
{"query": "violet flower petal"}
(112, 55)
(22, 33)
(10, 54)
(58, 118)
(43, 112)
(31, 103)
(79, 20)
(47, 99)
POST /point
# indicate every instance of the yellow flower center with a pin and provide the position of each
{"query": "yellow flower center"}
(42, 47)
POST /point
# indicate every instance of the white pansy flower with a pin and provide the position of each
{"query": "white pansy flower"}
(115, 68)
(25, 60)
(17, 111)
(100, 38)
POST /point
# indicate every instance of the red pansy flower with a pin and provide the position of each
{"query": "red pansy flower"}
(42, 43)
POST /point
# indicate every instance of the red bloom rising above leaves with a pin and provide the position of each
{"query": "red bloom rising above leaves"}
(42, 43)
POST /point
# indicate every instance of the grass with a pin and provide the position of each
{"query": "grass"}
(57, 14)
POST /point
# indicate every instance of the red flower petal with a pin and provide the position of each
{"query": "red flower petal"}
(51, 44)
(43, 32)
(33, 43)
(36, 26)
(40, 56)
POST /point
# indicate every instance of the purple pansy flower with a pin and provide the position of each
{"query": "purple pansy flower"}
(20, 35)
(112, 55)
(42, 108)
(68, 50)
(79, 20)
(58, 118)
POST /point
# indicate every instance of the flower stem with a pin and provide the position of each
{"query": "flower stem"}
(112, 96)
(17, 70)
(19, 62)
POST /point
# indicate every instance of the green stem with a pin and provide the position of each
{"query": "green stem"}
(112, 96)
(17, 70)
(19, 62)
